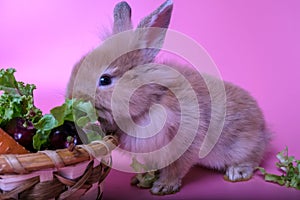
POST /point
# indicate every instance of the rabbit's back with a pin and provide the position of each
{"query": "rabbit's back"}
(244, 134)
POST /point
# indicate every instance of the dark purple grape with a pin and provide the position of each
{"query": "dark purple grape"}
(58, 138)
(22, 131)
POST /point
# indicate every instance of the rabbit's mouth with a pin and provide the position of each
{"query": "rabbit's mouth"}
(106, 120)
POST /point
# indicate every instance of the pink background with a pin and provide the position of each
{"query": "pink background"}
(255, 44)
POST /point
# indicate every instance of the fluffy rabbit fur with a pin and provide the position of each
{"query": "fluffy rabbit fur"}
(244, 137)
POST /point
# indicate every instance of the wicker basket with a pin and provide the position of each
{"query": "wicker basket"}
(56, 174)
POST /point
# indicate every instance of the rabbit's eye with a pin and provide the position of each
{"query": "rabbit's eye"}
(105, 80)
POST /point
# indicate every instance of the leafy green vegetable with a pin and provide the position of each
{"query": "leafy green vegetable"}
(138, 166)
(290, 168)
(147, 179)
(82, 113)
(16, 99)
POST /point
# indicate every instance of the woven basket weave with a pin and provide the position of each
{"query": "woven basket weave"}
(59, 174)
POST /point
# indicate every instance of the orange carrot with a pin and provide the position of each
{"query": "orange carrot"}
(9, 146)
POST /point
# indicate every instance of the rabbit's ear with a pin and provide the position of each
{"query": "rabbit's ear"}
(159, 18)
(122, 17)
(152, 29)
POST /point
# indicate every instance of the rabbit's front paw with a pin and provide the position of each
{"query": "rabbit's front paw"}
(165, 187)
(238, 173)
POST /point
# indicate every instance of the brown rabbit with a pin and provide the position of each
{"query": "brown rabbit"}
(169, 113)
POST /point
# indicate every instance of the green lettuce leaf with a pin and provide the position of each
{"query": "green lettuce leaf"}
(16, 99)
(290, 168)
(145, 180)
(82, 113)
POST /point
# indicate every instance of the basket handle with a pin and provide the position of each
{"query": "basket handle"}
(37, 161)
